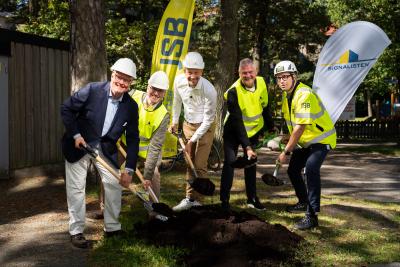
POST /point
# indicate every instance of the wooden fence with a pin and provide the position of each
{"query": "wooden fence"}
(388, 129)
(38, 83)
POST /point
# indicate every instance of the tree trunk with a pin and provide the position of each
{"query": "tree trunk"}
(34, 7)
(88, 50)
(227, 58)
(260, 22)
(369, 102)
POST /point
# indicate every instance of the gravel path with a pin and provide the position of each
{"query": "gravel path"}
(34, 224)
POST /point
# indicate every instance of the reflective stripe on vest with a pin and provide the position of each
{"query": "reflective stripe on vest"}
(320, 128)
(251, 104)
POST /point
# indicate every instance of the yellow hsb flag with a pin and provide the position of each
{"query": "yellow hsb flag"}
(170, 47)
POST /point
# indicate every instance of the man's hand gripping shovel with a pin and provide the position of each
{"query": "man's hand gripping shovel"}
(162, 209)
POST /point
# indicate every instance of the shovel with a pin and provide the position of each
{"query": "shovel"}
(160, 208)
(202, 185)
(273, 179)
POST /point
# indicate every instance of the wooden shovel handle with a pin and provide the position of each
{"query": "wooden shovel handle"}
(138, 173)
(187, 156)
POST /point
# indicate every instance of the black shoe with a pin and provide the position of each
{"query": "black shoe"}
(95, 215)
(299, 207)
(255, 204)
(117, 233)
(309, 221)
(79, 241)
(225, 206)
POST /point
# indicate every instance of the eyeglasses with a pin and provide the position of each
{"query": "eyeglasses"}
(283, 77)
(120, 79)
(154, 89)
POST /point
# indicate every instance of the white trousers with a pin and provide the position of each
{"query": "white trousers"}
(75, 174)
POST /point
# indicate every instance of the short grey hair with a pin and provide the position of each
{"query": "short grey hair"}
(245, 62)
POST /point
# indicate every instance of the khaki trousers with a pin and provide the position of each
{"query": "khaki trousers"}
(200, 152)
(75, 174)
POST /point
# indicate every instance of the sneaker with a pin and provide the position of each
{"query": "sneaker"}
(186, 204)
(255, 204)
(79, 241)
(299, 207)
(309, 221)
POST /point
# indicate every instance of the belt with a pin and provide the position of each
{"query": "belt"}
(193, 124)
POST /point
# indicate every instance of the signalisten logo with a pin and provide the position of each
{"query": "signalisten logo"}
(348, 60)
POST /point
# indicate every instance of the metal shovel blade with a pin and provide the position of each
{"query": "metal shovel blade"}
(203, 186)
(272, 179)
(162, 209)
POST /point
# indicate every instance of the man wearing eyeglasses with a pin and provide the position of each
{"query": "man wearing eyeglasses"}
(312, 135)
(98, 114)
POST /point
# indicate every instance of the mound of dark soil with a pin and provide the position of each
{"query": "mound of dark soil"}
(217, 238)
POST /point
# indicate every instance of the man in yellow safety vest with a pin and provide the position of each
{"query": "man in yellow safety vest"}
(248, 117)
(312, 135)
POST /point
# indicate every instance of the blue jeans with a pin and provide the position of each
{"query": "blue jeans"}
(311, 158)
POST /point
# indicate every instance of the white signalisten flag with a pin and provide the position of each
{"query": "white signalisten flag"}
(344, 62)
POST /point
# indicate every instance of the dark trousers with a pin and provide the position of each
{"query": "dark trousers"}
(311, 158)
(230, 153)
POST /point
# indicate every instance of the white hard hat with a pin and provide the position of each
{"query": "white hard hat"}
(193, 60)
(126, 66)
(159, 80)
(285, 66)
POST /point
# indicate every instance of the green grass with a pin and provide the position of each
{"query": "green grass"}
(352, 232)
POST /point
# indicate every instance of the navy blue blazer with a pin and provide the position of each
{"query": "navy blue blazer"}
(85, 111)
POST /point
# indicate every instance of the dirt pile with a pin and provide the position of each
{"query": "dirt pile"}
(217, 238)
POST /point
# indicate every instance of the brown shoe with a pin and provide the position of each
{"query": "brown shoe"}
(79, 241)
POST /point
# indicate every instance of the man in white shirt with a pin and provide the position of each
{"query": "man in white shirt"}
(199, 99)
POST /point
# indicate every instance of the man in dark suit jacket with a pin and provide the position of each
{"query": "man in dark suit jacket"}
(98, 114)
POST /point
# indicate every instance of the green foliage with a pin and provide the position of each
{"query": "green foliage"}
(52, 21)
(285, 26)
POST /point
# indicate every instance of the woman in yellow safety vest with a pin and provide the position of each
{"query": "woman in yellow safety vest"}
(153, 124)
(312, 135)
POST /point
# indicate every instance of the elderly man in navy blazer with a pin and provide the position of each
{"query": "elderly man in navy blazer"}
(98, 114)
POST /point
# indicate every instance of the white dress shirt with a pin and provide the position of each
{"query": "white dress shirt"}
(199, 104)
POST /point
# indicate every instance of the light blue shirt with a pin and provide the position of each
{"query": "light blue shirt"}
(112, 107)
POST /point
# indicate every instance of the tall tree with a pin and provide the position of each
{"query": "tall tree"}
(227, 57)
(87, 38)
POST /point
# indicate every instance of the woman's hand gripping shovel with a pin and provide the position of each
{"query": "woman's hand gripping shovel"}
(162, 209)
(202, 185)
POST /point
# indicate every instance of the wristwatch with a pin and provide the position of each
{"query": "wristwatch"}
(287, 153)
